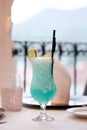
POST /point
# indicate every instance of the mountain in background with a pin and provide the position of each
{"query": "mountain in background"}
(69, 25)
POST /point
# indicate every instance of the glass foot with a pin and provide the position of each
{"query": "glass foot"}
(43, 118)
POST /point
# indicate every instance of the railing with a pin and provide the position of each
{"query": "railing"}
(63, 49)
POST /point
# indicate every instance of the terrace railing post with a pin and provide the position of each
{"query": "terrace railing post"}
(60, 50)
(25, 63)
(75, 69)
(43, 48)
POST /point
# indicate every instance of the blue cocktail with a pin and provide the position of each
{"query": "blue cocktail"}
(42, 87)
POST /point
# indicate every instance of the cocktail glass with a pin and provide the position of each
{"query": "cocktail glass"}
(42, 87)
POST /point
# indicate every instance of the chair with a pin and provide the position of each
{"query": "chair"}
(62, 81)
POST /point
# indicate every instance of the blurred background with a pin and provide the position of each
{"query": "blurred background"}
(33, 23)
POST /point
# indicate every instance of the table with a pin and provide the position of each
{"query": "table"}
(22, 120)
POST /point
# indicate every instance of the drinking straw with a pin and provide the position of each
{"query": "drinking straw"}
(53, 49)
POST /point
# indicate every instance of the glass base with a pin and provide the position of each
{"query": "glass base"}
(43, 117)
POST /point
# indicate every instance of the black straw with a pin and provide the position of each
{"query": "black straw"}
(53, 48)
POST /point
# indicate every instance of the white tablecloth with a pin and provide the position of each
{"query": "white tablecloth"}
(22, 120)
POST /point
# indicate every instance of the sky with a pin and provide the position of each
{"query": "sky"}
(25, 9)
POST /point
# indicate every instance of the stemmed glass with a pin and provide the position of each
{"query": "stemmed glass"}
(42, 87)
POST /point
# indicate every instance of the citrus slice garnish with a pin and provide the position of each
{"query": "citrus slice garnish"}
(32, 53)
(48, 55)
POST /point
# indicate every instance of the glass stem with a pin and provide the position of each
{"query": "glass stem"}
(43, 111)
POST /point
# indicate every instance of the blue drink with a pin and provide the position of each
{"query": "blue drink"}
(42, 87)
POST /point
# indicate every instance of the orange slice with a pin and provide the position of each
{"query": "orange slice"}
(48, 55)
(32, 53)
